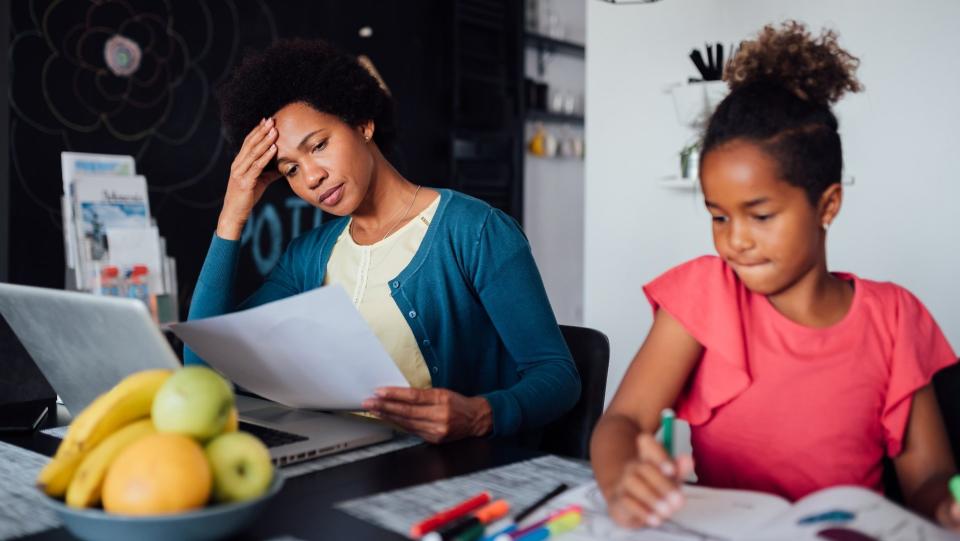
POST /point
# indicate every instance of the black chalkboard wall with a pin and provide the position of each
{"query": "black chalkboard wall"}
(61, 98)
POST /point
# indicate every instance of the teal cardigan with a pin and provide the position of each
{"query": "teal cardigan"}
(472, 296)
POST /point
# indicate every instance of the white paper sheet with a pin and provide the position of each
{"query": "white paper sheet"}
(138, 246)
(311, 351)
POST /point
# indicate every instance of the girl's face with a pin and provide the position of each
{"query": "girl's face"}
(763, 227)
(327, 162)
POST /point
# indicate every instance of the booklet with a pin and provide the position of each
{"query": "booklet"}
(102, 202)
(82, 163)
(710, 514)
(312, 351)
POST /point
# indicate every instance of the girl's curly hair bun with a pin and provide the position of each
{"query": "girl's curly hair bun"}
(813, 68)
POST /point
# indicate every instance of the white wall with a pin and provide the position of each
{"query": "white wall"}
(900, 221)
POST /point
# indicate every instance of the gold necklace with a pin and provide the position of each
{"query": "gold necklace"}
(395, 224)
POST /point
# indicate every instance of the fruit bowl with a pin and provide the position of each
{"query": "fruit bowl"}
(213, 522)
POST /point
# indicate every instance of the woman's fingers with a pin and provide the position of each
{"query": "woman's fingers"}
(255, 135)
(252, 133)
(249, 163)
(405, 394)
(261, 164)
(428, 430)
(404, 409)
(265, 144)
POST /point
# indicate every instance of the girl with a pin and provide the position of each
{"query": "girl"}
(792, 378)
(447, 283)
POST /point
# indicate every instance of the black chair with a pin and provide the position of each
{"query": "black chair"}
(570, 434)
(946, 385)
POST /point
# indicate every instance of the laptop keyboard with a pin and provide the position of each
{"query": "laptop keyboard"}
(270, 436)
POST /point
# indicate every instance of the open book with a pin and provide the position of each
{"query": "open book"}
(841, 513)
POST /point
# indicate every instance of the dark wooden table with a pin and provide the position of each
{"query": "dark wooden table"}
(304, 508)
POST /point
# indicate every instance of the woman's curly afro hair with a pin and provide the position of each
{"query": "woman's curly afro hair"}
(309, 71)
(781, 87)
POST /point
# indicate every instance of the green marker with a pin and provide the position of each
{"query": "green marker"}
(955, 487)
(472, 533)
(563, 524)
(666, 424)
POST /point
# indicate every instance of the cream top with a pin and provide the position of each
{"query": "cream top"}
(365, 273)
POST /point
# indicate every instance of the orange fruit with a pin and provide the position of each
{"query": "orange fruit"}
(158, 474)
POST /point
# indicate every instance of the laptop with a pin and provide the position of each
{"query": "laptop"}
(84, 344)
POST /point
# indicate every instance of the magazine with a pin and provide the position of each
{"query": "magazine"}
(81, 163)
(102, 202)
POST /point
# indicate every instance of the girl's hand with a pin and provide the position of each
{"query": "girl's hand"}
(436, 415)
(248, 179)
(948, 514)
(648, 490)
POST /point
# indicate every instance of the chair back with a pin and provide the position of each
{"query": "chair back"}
(570, 434)
(946, 385)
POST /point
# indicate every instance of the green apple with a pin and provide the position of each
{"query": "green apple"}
(195, 401)
(241, 467)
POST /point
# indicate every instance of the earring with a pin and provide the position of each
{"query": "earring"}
(826, 226)
(366, 138)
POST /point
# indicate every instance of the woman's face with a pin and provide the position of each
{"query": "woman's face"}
(327, 162)
(763, 227)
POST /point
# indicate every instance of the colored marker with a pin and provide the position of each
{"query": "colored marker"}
(512, 526)
(499, 527)
(539, 503)
(835, 515)
(516, 534)
(553, 528)
(485, 515)
(666, 423)
(955, 487)
(450, 514)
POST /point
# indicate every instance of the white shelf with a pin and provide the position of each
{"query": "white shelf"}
(676, 182)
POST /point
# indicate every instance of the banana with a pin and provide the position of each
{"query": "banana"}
(233, 421)
(126, 402)
(82, 423)
(84, 488)
(55, 477)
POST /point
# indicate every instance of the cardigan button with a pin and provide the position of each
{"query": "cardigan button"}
(435, 369)
(412, 314)
(426, 342)
(396, 284)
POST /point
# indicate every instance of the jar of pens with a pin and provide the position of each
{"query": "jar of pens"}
(695, 100)
(482, 518)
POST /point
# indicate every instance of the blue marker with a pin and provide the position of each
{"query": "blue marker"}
(835, 515)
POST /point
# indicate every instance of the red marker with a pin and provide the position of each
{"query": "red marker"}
(447, 515)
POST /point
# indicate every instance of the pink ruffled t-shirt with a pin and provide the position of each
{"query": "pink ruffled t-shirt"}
(779, 407)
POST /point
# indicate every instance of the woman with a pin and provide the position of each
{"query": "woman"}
(446, 282)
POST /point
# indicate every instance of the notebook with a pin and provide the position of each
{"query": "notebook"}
(840, 513)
